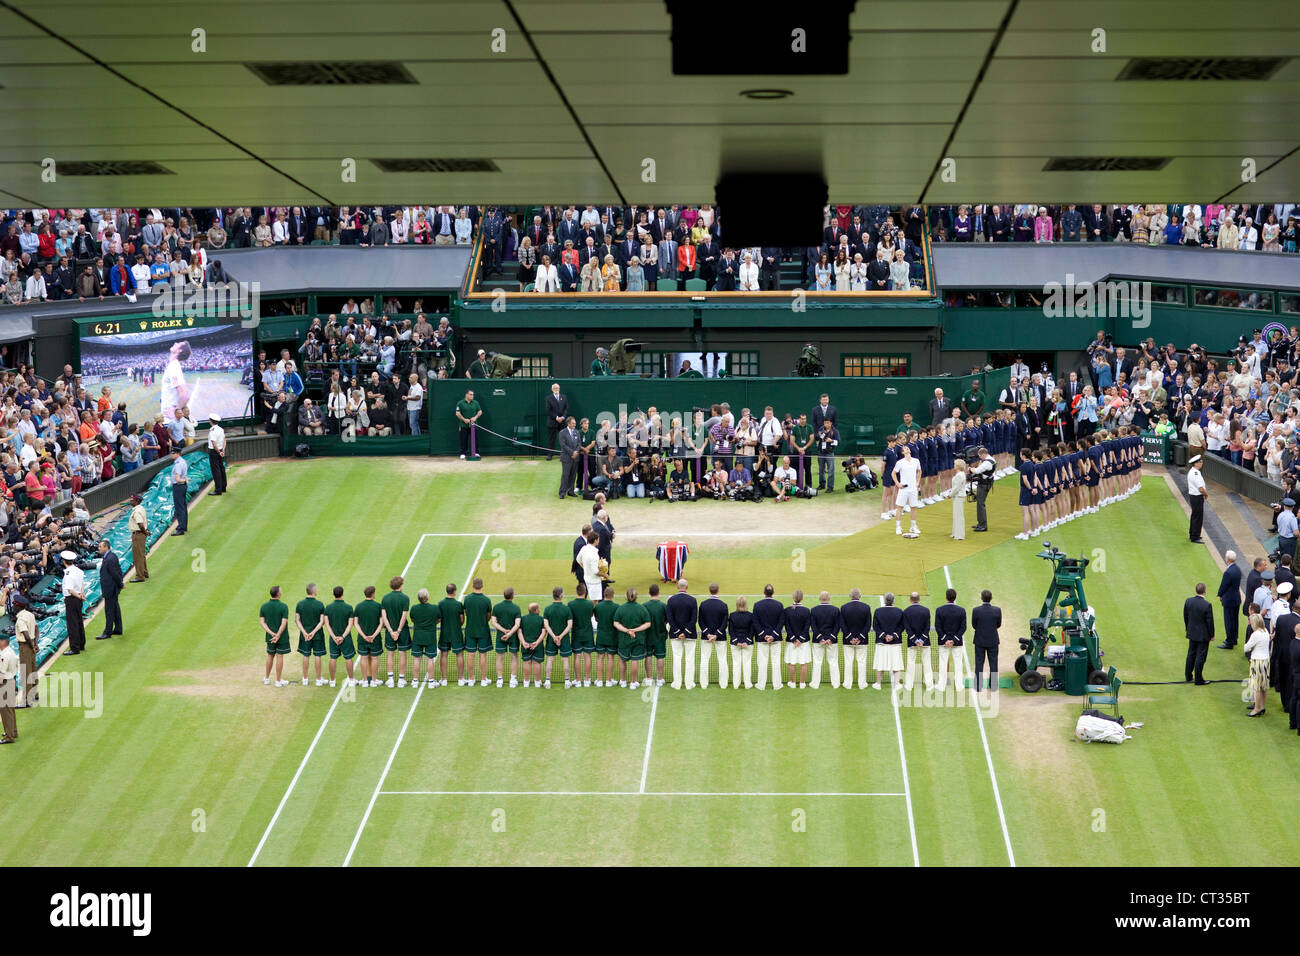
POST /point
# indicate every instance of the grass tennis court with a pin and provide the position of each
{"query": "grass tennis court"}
(195, 762)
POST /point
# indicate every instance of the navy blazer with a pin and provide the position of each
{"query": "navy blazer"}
(985, 621)
(1230, 586)
(110, 575)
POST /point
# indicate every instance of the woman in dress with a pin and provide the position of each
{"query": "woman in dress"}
(823, 272)
(1042, 226)
(959, 502)
(1139, 226)
(463, 227)
(635, 275)
(1259, 650)
(421, 230)
(610, 274)
(1270, 234)
(900, 273)
(261, 233)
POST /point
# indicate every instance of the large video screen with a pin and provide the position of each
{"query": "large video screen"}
(207, 368)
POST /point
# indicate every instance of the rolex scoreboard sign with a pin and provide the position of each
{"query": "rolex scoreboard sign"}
(1155, 448)
(156, 364)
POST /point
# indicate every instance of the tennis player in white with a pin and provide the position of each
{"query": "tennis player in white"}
(906, 473)
(175, 392)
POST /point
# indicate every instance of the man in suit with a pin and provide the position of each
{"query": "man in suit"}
(605, 535)
(1198, 624)
(940, 407)
(659, 225)
(997, 226)
(570, 452)
(949, 628)
(985, 621)
(568, 229)
(299, 229)
(111, 583)
(681, 613)
(769, 270)
(709, 254)
(824, 412)
(578, 544)
(1230, 599)
(557, 413)
(916, 624)
(569, 276)
(855, 622)
(712, 617)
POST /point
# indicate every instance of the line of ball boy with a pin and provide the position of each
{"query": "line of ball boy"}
(621, 636)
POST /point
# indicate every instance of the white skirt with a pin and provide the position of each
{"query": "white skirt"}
(798, 653)
(889, 657)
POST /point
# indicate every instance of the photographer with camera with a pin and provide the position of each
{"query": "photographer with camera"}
(981, 477)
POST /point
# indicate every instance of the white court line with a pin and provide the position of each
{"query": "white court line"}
(406, 723)
(988, 756)
(635, 534)
(649, 737)
(625, 793)
(902, 756)
(315, 740)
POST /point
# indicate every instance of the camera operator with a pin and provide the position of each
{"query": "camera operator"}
(981, 476)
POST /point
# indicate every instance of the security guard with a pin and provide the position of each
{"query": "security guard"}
(826, 632)
(1196, 498)
(139, 525)
(8, 691)
(74, 596)
(1287, 527)
(26, 634)
(217, 453)
(855, 622)
(180, 484)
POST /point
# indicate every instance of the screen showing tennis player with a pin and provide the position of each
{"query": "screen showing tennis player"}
(207, 369)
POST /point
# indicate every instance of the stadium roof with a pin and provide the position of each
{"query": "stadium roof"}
(584, 93)
(325, 269)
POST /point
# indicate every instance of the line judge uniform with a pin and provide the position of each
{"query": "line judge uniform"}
(768, 615)
(712, 615)
(855, 622)
(681, 613)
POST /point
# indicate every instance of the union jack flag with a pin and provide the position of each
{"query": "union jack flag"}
(672, 559)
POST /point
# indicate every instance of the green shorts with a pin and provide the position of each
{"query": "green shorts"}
(631, 648)
(344, 650)
(478, 645)
(564, 648)
(657, 646)
(403, 642)
(370, 648)
(537, 653)
(312, 648)
(455, 644)
(585, 644)
(424, 650)
(280, 646)
(511, 646)
(606, 645)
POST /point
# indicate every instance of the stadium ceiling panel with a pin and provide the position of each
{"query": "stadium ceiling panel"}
(583, 95)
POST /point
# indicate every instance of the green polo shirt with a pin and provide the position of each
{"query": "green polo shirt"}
(339, 614)
(690, 373)
(973, 401)
(904, 428)
(467, 409)
(309, 611)
(368, 618)
(450, 611)
(424, 624)
(530, 627)
(580, 608)
(632, 615)
(394, 605)
(801, 434)
(604, 612)
(558, 616)
(506, 613)
(478, 607)
(274, 612)
(658, 612)
(598, 368)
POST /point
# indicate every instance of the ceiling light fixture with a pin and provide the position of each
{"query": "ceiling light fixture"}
(772, 94)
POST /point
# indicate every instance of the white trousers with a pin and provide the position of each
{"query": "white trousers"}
(958, 658)
(855, 654)
(769, 655)
(742, 663)
(912, 654)
(820, 653)
(706, 654)
(683, 662)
